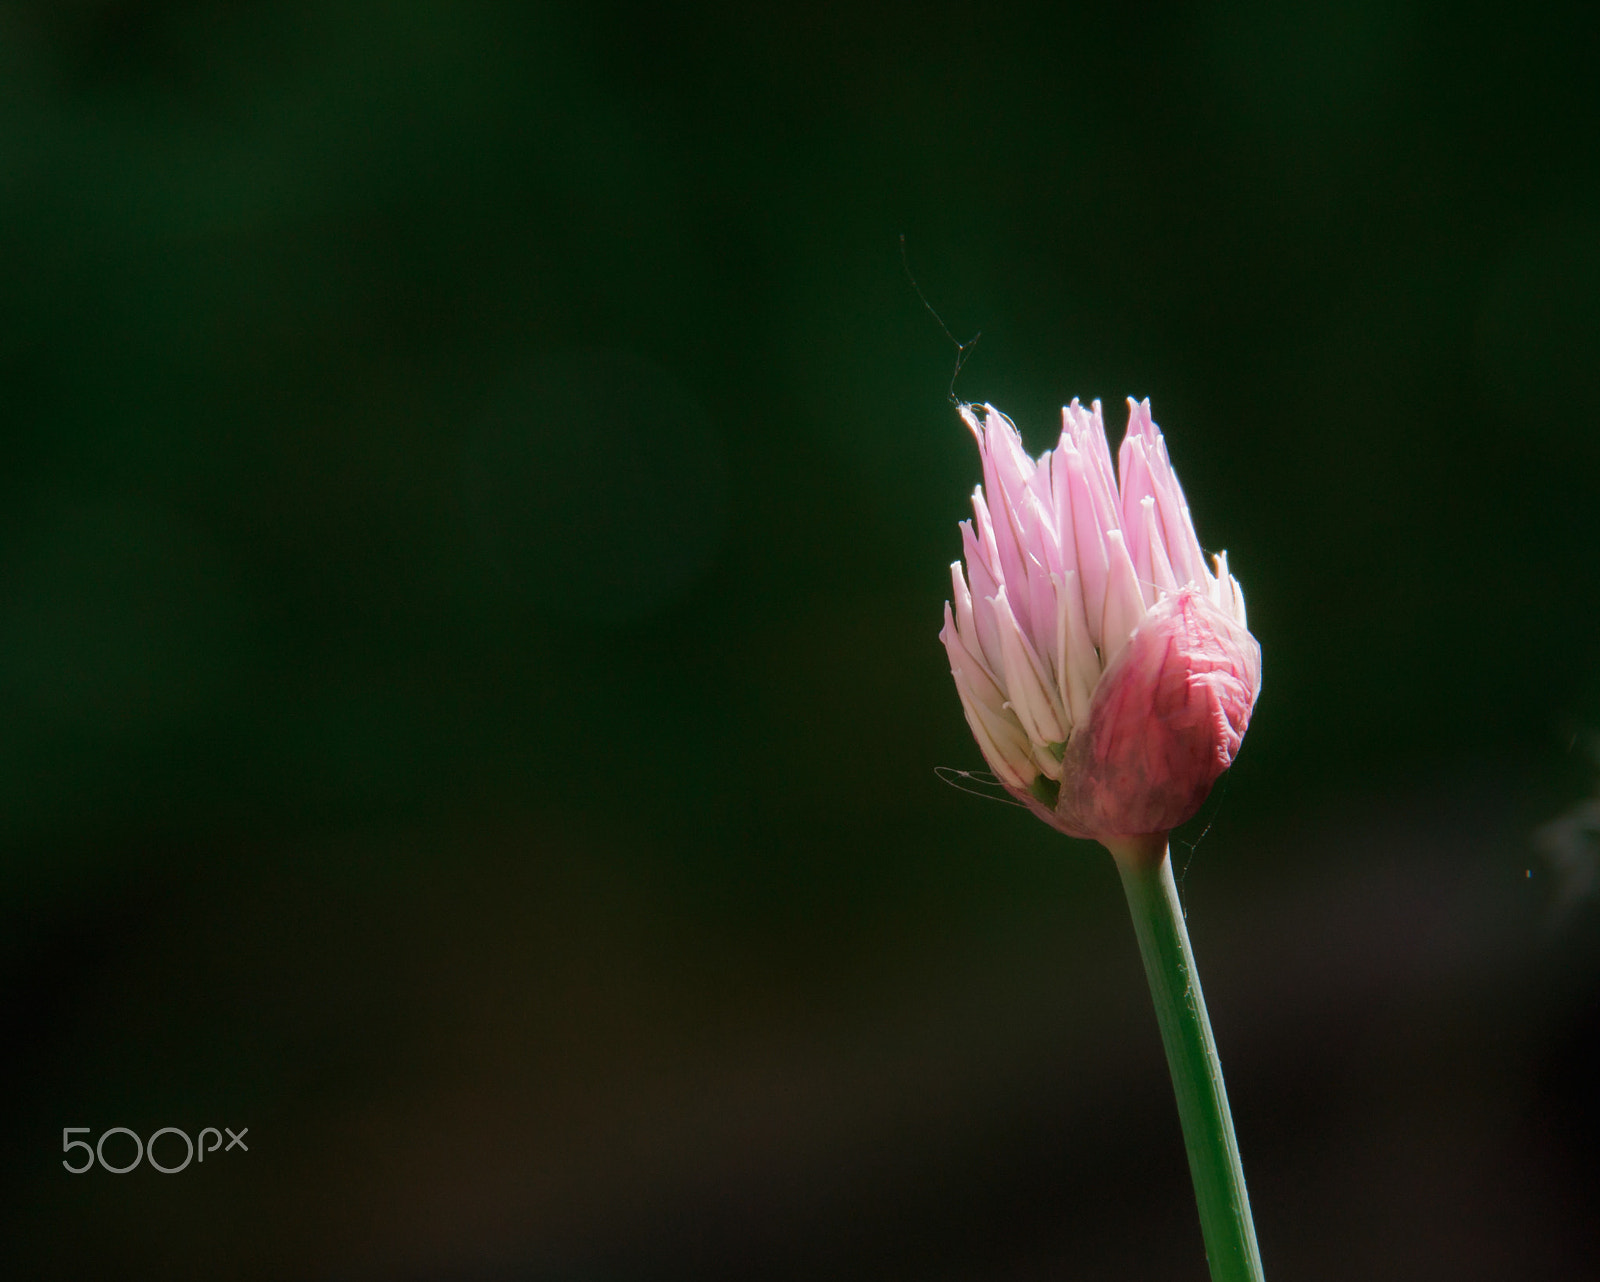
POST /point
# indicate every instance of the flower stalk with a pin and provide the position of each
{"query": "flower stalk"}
(1219, 1189)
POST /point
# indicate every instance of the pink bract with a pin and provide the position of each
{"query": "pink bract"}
(1105, 670)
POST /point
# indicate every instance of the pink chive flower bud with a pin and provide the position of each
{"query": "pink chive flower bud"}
(1105, 670)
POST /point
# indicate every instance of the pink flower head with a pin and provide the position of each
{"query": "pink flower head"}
(1105, 670)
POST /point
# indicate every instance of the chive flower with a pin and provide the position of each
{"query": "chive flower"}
(1105, 669)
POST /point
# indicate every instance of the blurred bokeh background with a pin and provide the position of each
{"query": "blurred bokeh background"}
(476, 494)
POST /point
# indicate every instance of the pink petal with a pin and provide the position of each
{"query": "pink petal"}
(1159, 572)
(1177, 526)
(1124, 608)
(1006, 472)
(1027, 686)
(1090, 555)
(1077, 663)
(1001, 740)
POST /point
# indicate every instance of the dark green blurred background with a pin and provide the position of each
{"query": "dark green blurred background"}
(475, 505)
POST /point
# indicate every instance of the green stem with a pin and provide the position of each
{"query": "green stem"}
(1230, 1236)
